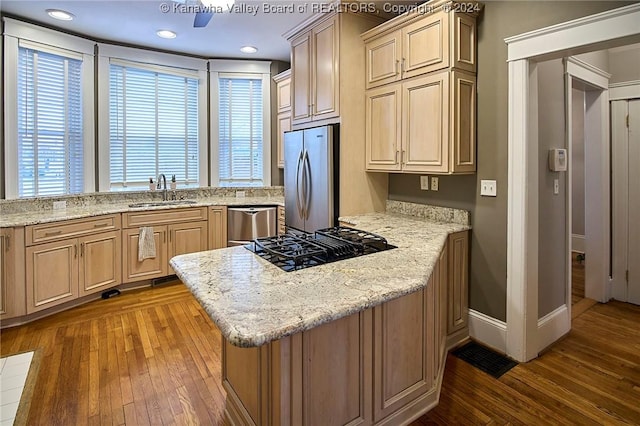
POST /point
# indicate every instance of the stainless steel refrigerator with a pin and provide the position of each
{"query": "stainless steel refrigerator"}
(311, 178)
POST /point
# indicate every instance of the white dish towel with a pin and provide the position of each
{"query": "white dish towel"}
(146, 244)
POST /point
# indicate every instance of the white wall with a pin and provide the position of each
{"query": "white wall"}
(577, 162)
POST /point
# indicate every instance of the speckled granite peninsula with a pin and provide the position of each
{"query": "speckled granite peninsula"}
(356, 341)
(254, 302)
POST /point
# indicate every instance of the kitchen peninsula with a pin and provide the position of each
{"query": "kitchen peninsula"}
(357, 341)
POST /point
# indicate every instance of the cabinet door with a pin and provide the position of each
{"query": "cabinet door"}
(51, 274)
(464, 43)
(325, 94)
(383, 128)
(383, 59)
(283, 125)
(458, 291)
(463, 129)
(330, 387)
(217, 227)
(135, 270)
(100, 262)
(425, 131)
(187, 238)
(12, 286)
(283, 95)
(403, 351)
(301, 78)
(425, 45)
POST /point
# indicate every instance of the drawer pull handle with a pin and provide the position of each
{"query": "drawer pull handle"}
(101, 225)
(51, 233)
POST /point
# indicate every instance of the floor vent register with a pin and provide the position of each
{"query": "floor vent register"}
(484, 359)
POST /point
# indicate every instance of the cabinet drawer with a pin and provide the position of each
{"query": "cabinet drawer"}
(162, 217)
(45, 232)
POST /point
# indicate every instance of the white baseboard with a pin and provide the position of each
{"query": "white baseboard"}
(553, 326)
(488, 330)
(577, 243)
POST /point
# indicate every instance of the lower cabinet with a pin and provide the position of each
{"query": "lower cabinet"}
(217, 227)
(12, 287)
(170, 240)
(381, 366)
(61, 271)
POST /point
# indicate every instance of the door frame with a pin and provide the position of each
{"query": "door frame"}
(597, 212)
(608, 29)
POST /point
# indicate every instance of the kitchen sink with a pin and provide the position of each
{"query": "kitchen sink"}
(162, 203)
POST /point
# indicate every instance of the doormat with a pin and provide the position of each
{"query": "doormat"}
(484, 359)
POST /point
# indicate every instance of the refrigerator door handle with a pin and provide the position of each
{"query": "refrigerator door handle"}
(298, 188)
(308, 184)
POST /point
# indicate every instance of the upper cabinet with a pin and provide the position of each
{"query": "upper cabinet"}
(283, 121)
(421, 91)
(315, 67)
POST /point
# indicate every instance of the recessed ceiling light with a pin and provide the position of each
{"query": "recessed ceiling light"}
(60, 14)
(166, 34)
(248, 49)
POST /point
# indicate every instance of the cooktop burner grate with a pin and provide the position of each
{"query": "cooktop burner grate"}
(297, 250)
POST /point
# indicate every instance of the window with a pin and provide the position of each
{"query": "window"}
(153, 125)
(50, 123)
(241, 132)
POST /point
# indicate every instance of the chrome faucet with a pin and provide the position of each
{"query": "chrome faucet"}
(164, 189)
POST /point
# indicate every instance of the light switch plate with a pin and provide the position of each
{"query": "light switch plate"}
(556, 186)
(488, 188)
(424, 183)
(434, 183)
(57, 205)
(239, 194)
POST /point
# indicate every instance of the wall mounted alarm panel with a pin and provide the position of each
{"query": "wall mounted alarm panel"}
(558, 160)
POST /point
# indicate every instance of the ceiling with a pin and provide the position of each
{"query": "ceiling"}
(136, 23)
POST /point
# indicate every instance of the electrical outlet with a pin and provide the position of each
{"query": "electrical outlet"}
(556, 186)
(488, 188)
(57, 205)
(239, 194)
(424, 183)
(434, 183)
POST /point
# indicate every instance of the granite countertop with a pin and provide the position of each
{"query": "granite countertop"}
(254, 302)
(44, 215)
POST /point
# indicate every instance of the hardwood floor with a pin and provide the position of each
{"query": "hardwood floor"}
(152, 356)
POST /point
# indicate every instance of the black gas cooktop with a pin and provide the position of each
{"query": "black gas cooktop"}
(297, 250)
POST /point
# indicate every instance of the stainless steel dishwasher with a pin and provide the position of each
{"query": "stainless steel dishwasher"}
(248, 223)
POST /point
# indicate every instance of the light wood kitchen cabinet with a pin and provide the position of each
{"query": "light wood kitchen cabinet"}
(458, 289)
(99, 262)
(418, 43)
(421, 97)
(422, 125)
(304, 378)
(283, 123)
(175, 231)
(69, 259)
(155, 267)
(408, 349)
(315, 65)
(12, 269)
(217, 227)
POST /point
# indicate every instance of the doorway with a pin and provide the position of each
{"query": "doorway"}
(625, 154)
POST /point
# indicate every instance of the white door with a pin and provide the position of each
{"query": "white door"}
(625, 134)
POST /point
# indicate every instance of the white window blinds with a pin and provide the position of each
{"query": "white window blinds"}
(50, 129)
(153, 126)
(240, 132)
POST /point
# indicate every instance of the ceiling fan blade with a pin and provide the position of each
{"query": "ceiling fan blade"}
(202, 19)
